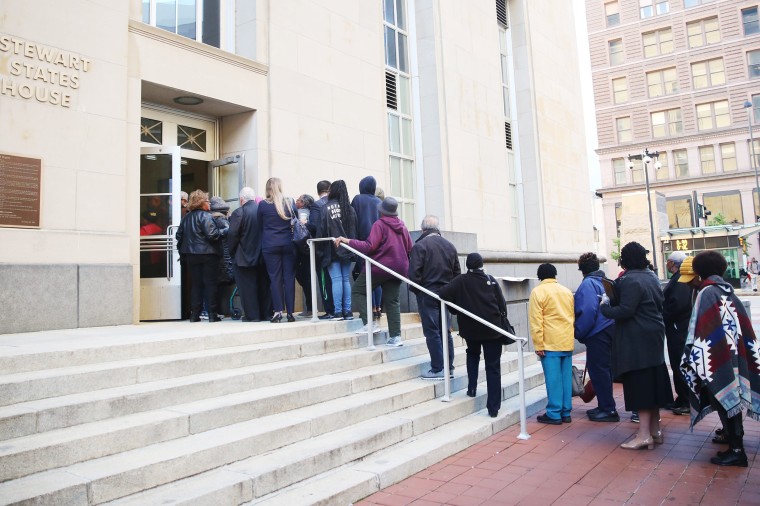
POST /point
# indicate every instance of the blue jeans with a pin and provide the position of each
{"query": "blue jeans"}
(599, 366)
(558, 375)
(430, 317)
(340, 275)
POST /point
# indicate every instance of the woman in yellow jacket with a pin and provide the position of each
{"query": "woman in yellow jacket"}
(551, 314)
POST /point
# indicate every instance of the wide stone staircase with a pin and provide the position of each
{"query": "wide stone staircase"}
(231, 413)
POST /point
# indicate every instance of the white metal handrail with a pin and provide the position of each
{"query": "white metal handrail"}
(368, 262)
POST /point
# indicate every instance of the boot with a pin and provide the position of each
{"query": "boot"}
(195, 315)
(735, 456)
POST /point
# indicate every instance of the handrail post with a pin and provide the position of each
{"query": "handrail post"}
(370, 320)
(313, 274)
(445, 341)
(521, 391)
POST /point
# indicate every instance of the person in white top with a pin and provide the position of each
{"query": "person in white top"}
(753, 268)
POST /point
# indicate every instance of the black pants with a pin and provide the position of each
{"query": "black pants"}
(492, 359)
(303, 276)
(675, 352)
(204, 272)
(733, 426)
(247, 279)
(325, 286)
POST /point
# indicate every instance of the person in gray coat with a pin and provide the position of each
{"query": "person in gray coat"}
(244, 239)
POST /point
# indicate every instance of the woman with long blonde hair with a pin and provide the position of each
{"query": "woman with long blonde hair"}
(274, 215)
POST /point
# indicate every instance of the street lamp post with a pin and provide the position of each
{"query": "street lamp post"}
(753, 161)
(647, 157)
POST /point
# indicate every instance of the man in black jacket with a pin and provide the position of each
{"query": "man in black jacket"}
(244, 240)
(433, 263)
(323, 277)
(676, 311)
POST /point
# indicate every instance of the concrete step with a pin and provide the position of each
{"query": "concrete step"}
(131, 472)
(431, 427)
(34, 351)
(41, 384)
(67, 410)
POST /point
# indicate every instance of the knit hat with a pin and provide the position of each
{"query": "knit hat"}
(218, 204)
(687, 271)
(388, 207)
(474, 261)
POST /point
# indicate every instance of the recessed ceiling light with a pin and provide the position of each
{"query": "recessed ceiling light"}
(188, 100)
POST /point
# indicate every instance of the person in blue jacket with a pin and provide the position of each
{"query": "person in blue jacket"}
(365, 204)
(595, 330)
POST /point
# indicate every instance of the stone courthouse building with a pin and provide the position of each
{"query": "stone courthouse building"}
(469, 110)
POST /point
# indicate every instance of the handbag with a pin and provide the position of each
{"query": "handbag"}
(300, 232)
(578, 377)
(503, 319)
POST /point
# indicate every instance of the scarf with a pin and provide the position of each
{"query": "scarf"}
(721, 354)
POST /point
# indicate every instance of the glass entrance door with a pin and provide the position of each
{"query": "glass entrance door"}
(227, 178)
(160, 273)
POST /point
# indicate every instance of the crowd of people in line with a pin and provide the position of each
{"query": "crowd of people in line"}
(624, 324)
(711, 345)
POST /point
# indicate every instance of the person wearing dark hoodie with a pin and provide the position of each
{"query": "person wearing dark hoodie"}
(389, 243)
(478, 293)
(365, 204)
(595, 330)
(339, 220)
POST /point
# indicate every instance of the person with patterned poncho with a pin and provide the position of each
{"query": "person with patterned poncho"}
(720, 363)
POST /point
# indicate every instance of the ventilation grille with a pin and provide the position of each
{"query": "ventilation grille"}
(501, 12)
(508, 134)
(390, 90)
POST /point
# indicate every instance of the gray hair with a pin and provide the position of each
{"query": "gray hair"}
(247, 194)
(429, 222)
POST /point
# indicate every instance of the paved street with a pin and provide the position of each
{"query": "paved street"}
(581, 463)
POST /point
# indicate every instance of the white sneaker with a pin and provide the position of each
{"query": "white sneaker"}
(394, 341)
(375, 328)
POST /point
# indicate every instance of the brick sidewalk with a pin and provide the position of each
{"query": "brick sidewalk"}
(581, 464)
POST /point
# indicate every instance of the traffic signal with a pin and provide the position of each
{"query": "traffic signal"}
(702, 212)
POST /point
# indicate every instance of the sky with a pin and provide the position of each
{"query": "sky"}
(584, 64)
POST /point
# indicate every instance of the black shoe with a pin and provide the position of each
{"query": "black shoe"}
(731, 458)
(635, 417)
(493, 413)
(471, 392)
(548, 420)
(720, 438)
(681, 410)
(326, 316)
(214, 318)
(593, 411)
(195, 318)
(291, 318)
(277, 318)
(348, 316)
(604, 416)
(566, 419)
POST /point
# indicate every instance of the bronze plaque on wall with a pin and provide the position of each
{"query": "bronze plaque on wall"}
(20, 191)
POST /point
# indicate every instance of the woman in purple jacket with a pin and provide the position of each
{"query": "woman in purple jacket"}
(389, 243)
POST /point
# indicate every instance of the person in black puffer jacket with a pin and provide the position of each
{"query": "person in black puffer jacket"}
(478, 293)
(197, 238)
(220, 212)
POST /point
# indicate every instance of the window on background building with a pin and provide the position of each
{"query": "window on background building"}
(620, 90)
(703, 32)
(679, 212)
(756, 146)
(694, 3)
(757, 205)
(728, 157)
(657, 42)
(707, 159)
(612, 13)
(666, 123)
(662, 82)
(681, 163)
(664, 171)
(750, 21)
(623, 128)
(728, 204)
(637, 172)
(514, 214)
(616, 51)
(649, 8)
(618, 218)
(199, 20)
(756, 107)
(753, 64)
(713, 115)
(399, 104)
(708, 73)
(618, 168)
